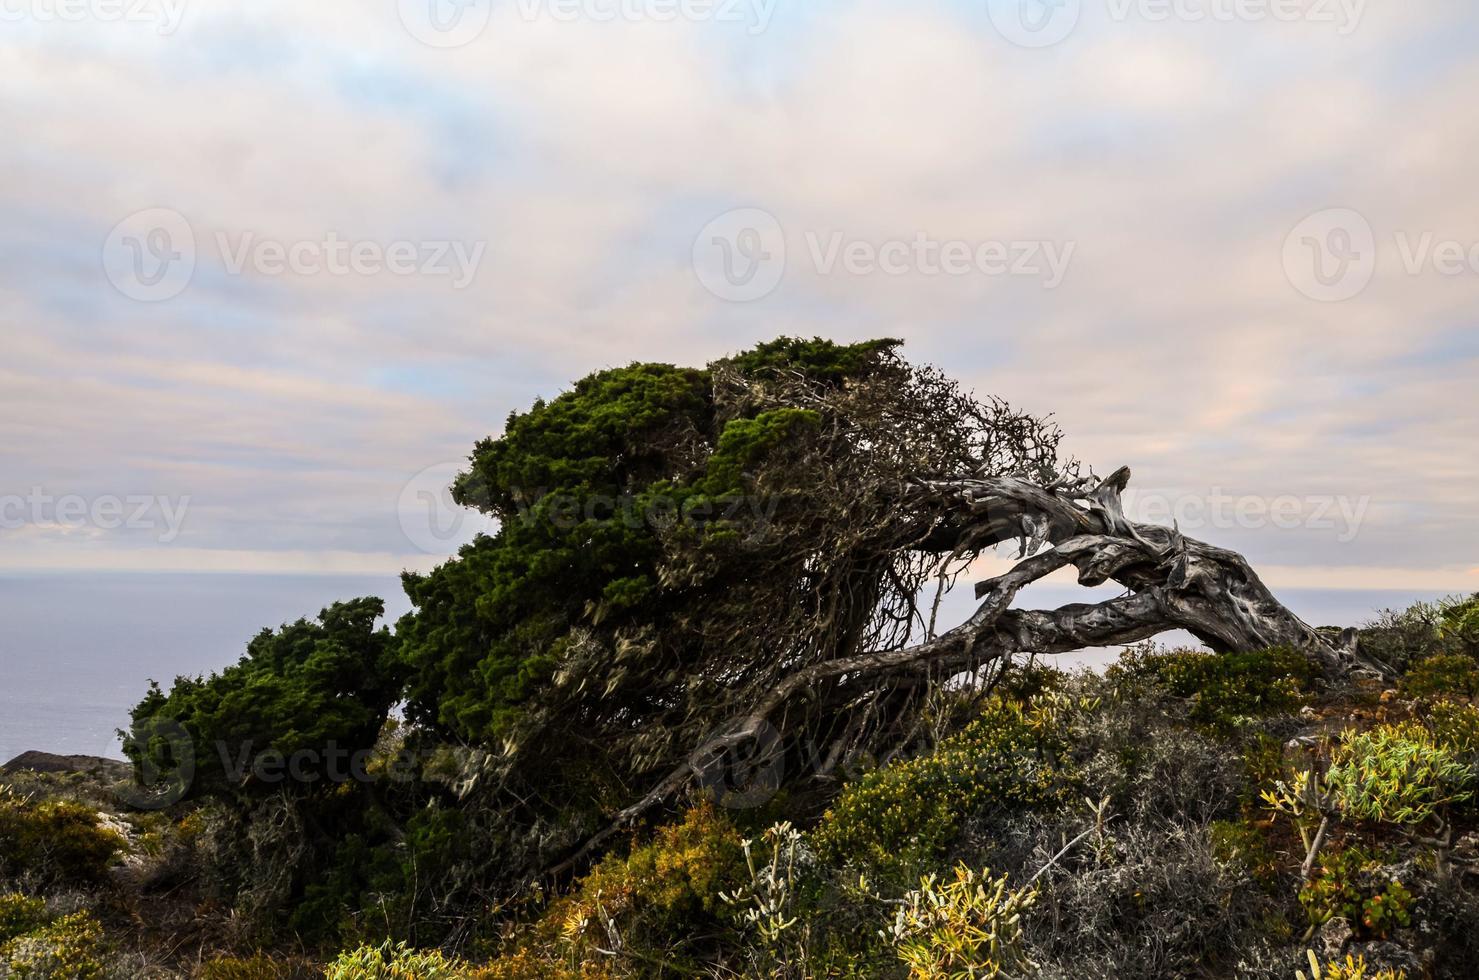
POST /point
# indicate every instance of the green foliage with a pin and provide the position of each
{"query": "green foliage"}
(54, 841)
(1455, 726)
(1458, 622)
(1224, 688)
(259, 967)
(1344, 885)
(1015, 756)
(71, 947)
(656, 896)
(1396, 774)
(817, 358)
(1443, 675)
(1351, 968)
(1402, 639)
(20, 914)
(1240, 842)
(313, 689)
(395, 962)
(970, 927)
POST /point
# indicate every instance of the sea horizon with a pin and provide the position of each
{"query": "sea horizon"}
(70, 677)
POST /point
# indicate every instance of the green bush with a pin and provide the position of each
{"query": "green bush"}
(259, 967)
(1344, 885)
(969, 927)
(398, 962)
(71, 948)
(1013, 757)
(1223, 688)
(20, 914)
(1396, 774)
(1443, 675)
(54, 841)
(1455, 726)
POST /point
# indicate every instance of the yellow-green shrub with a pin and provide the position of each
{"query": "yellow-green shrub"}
(667, 888)
(1443, 675)
(969, 927)
(398, 962)
(1455, 726)
(1351, 968)
(71, 948)
(1396, 774)
(1224, 688)
(54, 841)
(20, 914)
(259, 967)
(1014, 756)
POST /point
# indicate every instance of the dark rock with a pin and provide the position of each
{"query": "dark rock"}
(50, 763)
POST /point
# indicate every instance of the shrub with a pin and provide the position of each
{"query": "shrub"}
(1455, 726)
(969, 927)
(1443, 675)
(20, 914)
(767, 904)
(660, 895)
(71, 948)
(259, 967)
(1352, 968)
(1396, 774)
(1013, 757)
(1458, 622)
(1344, 886)
(398, 962)
(54, 842)
(1224, 688)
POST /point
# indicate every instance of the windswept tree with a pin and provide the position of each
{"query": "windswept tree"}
(693, 566)
(696, 564)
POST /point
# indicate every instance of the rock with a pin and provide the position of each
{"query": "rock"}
(1334, 937)
(48, 762)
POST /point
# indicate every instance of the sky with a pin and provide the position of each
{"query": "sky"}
(270, 270)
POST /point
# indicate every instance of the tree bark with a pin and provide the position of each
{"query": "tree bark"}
(1171, 581)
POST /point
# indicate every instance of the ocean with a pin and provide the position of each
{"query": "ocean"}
(77, 650)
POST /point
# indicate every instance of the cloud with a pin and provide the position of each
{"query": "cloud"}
(585, 156)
